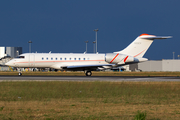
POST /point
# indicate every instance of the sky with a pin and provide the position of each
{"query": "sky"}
(63, 26)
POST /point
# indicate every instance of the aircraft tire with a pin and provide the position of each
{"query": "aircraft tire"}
(88, 73)
(20, 74)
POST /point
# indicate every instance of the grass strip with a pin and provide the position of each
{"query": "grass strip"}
(89, 100)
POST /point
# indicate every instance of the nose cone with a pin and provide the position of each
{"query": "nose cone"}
(8, 63)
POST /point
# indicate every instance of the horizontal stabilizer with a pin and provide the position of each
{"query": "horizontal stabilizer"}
(155, 37)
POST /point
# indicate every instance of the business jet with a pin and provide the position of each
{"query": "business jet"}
(87, 62)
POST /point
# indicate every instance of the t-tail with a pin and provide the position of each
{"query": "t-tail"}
(140, 45)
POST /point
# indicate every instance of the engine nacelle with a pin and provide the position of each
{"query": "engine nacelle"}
(116, 58)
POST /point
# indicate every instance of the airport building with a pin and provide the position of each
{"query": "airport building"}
(6, 54)
(160, 65)
(13, 51)
(2, 52)
(10, 52)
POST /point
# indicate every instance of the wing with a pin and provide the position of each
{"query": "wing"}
(86, 67)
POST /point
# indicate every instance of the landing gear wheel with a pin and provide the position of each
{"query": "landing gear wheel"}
(20, 74)
(88, 73)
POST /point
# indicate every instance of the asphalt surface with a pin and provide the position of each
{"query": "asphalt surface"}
(89, 78)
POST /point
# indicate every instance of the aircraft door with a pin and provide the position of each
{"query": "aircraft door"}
(31, 60)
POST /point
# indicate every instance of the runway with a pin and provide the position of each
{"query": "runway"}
(84, 78)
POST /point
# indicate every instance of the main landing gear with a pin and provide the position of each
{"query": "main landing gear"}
(88, 73)
(20, 72)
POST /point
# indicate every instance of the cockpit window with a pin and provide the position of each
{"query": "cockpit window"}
(20, 57)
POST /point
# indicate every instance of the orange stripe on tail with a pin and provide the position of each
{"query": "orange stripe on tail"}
(139, 53)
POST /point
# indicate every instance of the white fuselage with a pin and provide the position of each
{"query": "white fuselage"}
(56, 60)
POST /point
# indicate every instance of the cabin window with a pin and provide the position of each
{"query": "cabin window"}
(74, 58)
(84, 58)
(51, 58)
(20, 57)
(42, 58)
(79, 58)
(69, 58)
(56, 58)
(47, 58)
(60, 58)
(64, 58)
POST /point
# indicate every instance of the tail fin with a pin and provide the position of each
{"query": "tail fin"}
(140, 45)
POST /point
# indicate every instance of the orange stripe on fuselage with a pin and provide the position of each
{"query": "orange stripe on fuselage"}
(59, 61)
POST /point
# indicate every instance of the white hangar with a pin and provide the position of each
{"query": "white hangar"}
(160, 65)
